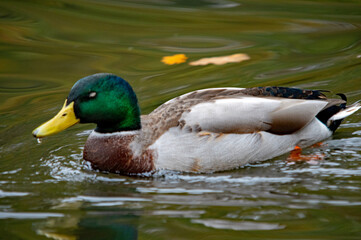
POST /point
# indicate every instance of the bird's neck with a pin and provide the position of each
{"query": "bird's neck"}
(130, 122)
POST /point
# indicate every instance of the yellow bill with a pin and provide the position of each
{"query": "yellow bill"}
(64, 119)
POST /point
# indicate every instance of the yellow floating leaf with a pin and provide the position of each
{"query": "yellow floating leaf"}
(175, 59)
(239, 57)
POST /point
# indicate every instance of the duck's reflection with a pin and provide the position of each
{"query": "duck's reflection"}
(92, 226)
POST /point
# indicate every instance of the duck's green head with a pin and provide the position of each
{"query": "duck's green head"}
(104, 99)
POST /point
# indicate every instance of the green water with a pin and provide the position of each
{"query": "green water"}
(48, 192)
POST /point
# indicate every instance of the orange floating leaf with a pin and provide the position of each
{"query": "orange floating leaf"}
(239, 57)
(175, 59)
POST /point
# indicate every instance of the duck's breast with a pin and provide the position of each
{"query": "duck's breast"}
(115, 153)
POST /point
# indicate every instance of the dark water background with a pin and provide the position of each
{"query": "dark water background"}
(48, 192)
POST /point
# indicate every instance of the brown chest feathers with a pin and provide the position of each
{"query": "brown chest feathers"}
(113, 154)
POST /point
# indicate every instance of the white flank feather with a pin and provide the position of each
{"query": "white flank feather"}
(210, 152)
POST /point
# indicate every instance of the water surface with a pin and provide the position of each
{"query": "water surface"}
(48, 192)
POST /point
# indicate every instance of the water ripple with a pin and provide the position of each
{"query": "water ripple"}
(12, 194)
(237, 225)
(317, 25)
(28, 215)
(176, 190)
(174, 44)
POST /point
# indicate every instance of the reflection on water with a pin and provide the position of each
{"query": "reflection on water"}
(48, 192)
(94, 225)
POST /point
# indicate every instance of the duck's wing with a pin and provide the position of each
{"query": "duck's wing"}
(248, 114)
(235, 110)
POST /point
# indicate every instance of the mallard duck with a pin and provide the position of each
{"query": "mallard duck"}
(206, 130)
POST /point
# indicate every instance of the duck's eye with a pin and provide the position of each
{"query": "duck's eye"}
(92, 94)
